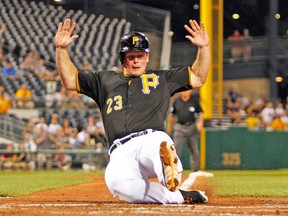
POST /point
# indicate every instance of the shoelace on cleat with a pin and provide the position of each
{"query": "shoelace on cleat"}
(188, 200)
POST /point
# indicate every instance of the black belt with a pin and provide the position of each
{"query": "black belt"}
(123, 140)
(186, 123)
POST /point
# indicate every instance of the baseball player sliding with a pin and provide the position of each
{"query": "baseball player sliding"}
(134, 105)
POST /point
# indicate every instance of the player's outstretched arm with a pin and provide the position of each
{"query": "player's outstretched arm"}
(65, 66)
(199, 37)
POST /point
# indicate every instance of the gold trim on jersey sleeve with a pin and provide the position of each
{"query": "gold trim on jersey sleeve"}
(190, 71)
(77, 82)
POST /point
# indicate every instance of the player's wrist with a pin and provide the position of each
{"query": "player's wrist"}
(60, 48)
(205, 46)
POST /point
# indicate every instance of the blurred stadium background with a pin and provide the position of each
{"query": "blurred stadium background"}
(31, 26)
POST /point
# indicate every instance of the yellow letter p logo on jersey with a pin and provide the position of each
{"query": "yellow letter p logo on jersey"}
(149, 80)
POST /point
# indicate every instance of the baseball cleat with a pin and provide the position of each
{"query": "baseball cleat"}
(169, 160)
(194, 196)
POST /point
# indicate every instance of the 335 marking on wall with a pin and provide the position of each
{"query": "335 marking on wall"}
(231, 159)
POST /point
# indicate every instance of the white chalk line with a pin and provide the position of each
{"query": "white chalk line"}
(140, 206)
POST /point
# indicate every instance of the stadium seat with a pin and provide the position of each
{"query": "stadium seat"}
(31, 25)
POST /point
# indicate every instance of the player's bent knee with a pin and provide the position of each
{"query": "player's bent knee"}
(130, 194)
(125, 190)
(115, 184)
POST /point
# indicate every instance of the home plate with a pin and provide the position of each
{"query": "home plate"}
(187, 184)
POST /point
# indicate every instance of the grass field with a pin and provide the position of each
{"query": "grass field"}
(226, 183)
(250, 183)
(25, 182)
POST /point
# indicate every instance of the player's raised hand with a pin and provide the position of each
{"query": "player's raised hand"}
(197, 34)
(64, 37)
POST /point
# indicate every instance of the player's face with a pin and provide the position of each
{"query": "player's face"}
(135, 63)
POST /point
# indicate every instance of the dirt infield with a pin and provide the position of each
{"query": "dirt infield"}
(95, 199)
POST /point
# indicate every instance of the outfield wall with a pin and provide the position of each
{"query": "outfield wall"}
(239, 148)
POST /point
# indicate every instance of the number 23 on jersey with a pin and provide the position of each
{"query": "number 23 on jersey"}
(148, 81)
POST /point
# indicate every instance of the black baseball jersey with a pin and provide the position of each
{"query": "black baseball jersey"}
(186, 111)
(132, 104)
